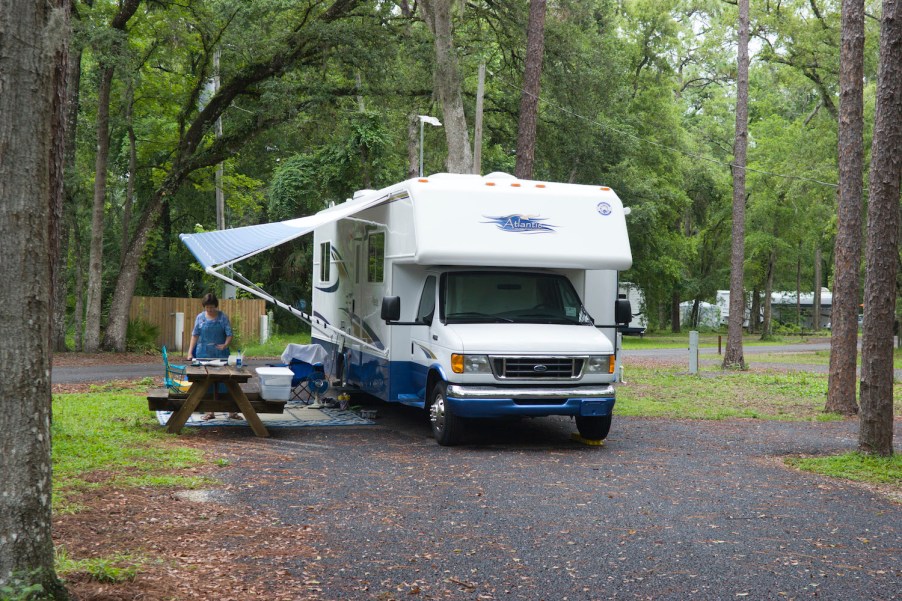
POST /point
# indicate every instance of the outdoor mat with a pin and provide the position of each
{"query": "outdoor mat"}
(296, 415)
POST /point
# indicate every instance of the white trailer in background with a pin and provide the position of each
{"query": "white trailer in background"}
(471, 297)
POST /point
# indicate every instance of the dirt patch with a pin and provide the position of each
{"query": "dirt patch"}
(184, 549)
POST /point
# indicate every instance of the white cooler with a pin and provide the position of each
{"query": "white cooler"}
(275, 383)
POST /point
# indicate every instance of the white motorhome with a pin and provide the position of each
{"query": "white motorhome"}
(474, 297)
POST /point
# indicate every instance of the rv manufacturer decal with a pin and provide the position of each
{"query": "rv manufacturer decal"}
(522, 224)
(604, 208)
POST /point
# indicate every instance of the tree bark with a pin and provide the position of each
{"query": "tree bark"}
(529, 97)
(875, 434)
(59, 232)
(675, 324)
(733, 356)
(33, 43)
(767, 328)
(816, 301)
(847, 251)
(437, 14)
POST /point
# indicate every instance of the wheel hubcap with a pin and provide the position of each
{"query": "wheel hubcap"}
(437, 413)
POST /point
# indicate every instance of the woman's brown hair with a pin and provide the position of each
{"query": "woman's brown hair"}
(209, 299)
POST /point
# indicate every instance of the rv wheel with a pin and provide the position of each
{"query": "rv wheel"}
(445, 425)
(594, 427)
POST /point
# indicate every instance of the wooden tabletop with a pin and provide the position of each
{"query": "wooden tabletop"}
(218, 373)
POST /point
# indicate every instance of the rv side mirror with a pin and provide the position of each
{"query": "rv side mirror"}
(391, 308)
(623, 311)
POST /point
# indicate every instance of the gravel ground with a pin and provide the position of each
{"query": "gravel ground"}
(665, 510)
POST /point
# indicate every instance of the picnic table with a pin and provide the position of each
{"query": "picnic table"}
(204, 378)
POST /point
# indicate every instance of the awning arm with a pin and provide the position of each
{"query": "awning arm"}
(296, 312)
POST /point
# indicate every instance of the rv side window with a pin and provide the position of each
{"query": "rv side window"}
(427, 301)
(325, 261)
(376, 257)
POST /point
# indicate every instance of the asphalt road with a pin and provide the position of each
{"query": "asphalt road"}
(667, 509)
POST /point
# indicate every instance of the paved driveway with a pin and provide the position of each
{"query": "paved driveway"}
(667, 509)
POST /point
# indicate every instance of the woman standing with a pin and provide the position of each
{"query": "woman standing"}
(211, 336)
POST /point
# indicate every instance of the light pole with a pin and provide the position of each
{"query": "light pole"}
(430, 121)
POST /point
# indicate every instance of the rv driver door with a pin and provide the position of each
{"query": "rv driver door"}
(421, 337)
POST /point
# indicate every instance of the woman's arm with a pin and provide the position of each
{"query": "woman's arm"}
(191, 348)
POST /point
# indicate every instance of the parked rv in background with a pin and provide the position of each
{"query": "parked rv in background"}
(638, 320)
(785, 307)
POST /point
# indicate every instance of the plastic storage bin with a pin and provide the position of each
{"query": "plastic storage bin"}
(275, 376)
(275, 393)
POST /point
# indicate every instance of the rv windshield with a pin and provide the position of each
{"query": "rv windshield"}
(511, 297)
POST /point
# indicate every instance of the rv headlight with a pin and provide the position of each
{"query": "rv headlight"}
(600, 364)
(471, 364)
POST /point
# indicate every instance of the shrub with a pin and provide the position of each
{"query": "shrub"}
(141, 336)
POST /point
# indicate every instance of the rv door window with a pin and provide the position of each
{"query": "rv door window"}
(376, 257)
(325, 261)
(427, 301)
(511, 297)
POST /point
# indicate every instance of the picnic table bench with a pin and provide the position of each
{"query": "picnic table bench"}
(204, 395)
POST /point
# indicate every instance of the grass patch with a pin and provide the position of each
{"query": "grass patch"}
(114, 569)
(705, 340)
(716, 394)
(853, 466)
(111, 439)
(275, 345)
(810, 358)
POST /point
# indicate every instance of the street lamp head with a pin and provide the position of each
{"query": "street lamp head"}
(429, 120)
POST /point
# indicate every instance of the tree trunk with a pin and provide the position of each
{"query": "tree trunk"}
(767, 328)
(816, 301)
(847, 250)
(78, 319)
(413, 141)
(799, 287)
(95, 260)
(733, 356)
(529, 97)
(675, 312)
(33, 42)
(437, 14)
(755, 312)
(875, 434)
(59, 232)
(132, 174)
(69, 211)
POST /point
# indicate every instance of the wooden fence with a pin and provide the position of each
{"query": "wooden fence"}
(160, 311)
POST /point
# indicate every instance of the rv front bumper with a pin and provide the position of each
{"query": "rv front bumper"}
(501, 401)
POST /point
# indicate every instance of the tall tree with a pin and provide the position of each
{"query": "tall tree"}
(33, 42)
(529, 97)
(437, 14)
(875, 434)
(101, 161)
(304, 43)
(847, 251)
(733, 356)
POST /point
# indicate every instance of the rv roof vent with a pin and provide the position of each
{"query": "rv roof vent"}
(360, 193)
(499, 175)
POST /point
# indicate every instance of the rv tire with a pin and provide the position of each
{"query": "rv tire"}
(445, 425)
(594, 427)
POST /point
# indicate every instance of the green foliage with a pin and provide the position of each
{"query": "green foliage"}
(141, 336)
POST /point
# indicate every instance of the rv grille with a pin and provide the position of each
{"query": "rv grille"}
(538, 368)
